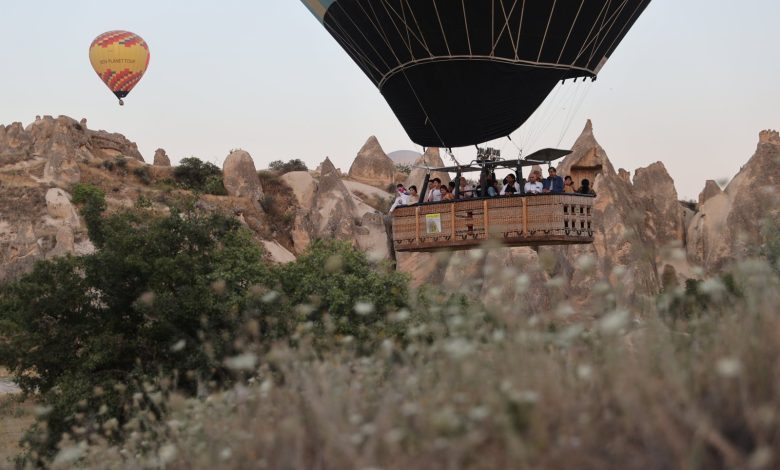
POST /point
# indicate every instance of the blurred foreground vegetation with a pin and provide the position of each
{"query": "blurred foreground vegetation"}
(176, 346)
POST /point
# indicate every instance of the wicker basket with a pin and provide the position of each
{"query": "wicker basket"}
(545, 219)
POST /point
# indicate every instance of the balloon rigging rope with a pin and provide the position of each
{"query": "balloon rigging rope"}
(377, 26)
(573, 112)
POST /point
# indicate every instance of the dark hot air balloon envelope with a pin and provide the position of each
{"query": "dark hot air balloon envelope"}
(462, 72)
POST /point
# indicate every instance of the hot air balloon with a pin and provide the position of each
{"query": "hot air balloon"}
(459, 73)
(120, 59)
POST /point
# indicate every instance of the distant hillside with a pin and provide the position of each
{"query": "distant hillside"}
(404, 157)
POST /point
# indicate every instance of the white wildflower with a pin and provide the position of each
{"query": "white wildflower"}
(761, 458)
(270, 297)
(527, 396)
(246, 361)
(41, 411)
(364, 308)
(459, 348)
(618, 271)
(713, 286)
(179, 345)
(613, 322)
(265, 387)
(564, 309)
(522, 283)
(584, 371)
(729, 367)
(586, 262)
(400, 315)
(69, 455)
(479, 413)
(167, 453)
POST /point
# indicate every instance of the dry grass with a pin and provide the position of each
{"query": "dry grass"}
(500, 390)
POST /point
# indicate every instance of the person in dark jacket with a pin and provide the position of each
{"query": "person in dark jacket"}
(586, 189)
(553, 183)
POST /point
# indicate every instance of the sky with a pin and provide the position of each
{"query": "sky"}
(692, 85)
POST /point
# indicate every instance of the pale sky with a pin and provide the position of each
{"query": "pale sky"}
(692, 85)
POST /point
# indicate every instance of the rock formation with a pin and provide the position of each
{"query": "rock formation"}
(728, 225)
(372, 166)
(430, 159)
(664, 217)
(240, 176)
(161, 158)
(58, 206)
(304, 187)
(711, 189)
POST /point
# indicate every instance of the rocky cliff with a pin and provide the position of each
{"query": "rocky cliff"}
(38, 164)
(728, 225)
(642, 230)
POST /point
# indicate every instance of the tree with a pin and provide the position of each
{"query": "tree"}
(92, 201)
(162, 297)
(194, 174)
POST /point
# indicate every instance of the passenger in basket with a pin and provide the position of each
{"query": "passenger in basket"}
(446, 195)
(463, 190)
(534, 186)
(401, 199)
(568, 185)
(511, 187)
(414, 198)
(553, 183)
(492, 187)
(586, 189)
(434, 195)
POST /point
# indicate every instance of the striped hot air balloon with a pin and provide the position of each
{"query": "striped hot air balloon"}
(120, 59)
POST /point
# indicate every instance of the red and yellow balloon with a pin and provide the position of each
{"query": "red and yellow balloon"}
(120, 59)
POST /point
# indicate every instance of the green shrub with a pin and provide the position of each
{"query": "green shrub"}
(403, 168)
(281, 167)
(143, 202)
(343, 293)
(192, 173)
(215, 186)
(142, 172)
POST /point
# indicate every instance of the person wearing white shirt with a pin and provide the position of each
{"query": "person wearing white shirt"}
(402, 199)
(534, 186)
(511, 187)
(434, 195)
